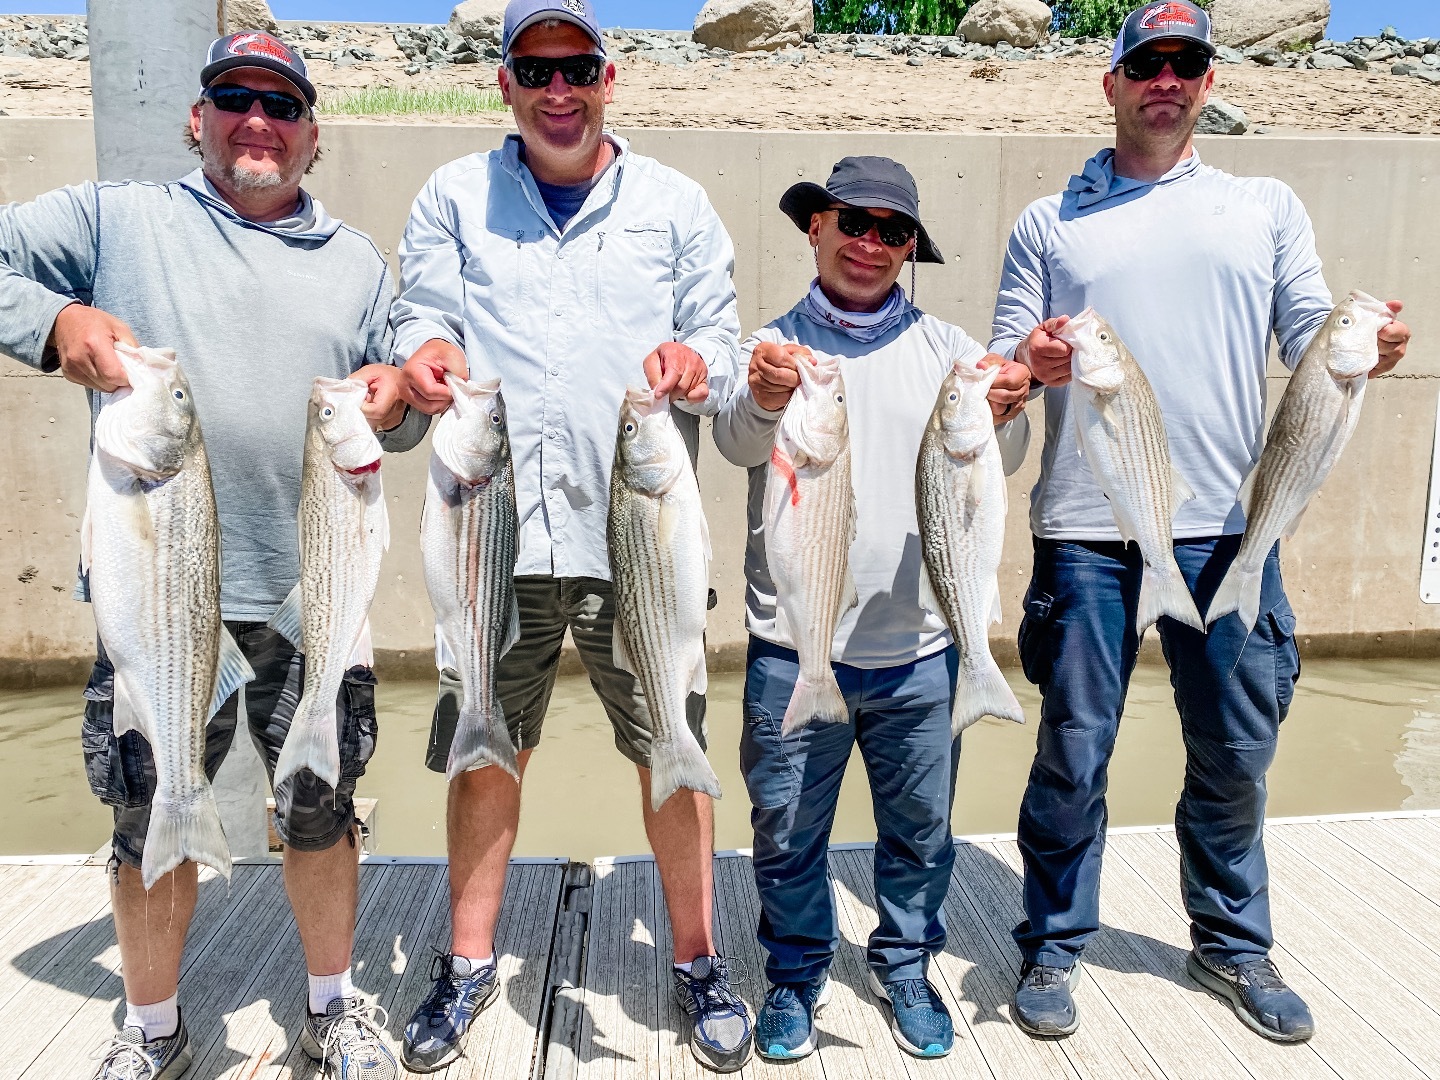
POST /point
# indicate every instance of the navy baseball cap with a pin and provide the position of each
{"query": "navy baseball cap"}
(1170, 20)
(870, 182)
(520, 15)
(256, 49)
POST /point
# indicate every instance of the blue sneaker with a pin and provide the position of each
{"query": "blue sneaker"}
(436, 1033)
(1044, 1005)
(1258, 994)
(720, 1034)
(785, 1028)
(919, 1020)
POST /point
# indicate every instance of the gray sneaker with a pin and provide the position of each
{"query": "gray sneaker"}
(129, 1057)
(346, 1041)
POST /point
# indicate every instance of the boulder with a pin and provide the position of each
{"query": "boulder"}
(748, 25)
(1274, 23)
(479, 20)
(233, 15)
(1023, 23)
(1219, 117)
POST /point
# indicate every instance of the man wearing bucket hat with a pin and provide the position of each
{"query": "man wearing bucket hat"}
(1195, 269)
(894, 660)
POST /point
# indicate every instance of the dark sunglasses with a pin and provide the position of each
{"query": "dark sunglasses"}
(894, 231)
(535, 72)
(238, 99)
(1145, 64)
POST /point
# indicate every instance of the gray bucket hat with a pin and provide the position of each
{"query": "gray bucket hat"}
(870, 182)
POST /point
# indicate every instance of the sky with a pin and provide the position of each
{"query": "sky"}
(1348, 18)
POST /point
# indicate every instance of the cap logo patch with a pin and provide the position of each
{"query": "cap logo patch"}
(1166, 15)
(261, 45)
(575, 7)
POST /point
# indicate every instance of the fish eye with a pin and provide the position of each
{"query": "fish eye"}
(495, 418)
(953, 396)
(630, 428)
(327, 412)
(1103, 336)
(839, 399)
(179, 395)
(1345, 320)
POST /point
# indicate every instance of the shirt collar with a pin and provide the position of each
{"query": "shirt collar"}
(610, 178)
(309, 221)
(1097, 181)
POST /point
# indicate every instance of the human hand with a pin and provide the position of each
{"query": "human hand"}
(384, 407)
(85, 338)
(773, 376)
(1394, 340)
(677, 371)
(423, 377)
(1047, 357)
(1010, 389)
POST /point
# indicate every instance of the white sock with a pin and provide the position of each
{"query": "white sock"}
(468, 965)
(326, 988)
(159, 1021)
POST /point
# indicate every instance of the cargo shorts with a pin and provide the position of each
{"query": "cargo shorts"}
(309, 815)
(526, 676)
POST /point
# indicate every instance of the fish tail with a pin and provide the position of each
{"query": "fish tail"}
(820, 702)
(481, 738)
(313, 742)
(184, 831)
(1239, 592)
(677, 763)
(1164, 592)
(983, 693)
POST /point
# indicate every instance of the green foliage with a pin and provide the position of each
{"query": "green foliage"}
(1096, 18)
(393, 100)
(888, 16)
(1299, 45)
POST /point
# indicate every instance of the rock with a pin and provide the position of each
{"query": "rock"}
(1219, 117)
(1431, 60)
(1263, 56)
(1429, 74)
(246, 15)
(916, 61)
(1403, 69)
(952, 50)
(1025, 23)
(1268, 22)
(1227, 55)
(745, 25)
(1383, 51)
(479, 20)
(1329, 61)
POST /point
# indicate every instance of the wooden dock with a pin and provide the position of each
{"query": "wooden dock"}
(585, 954)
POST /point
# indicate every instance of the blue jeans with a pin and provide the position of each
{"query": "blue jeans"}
(901, 718)
(1078, 644)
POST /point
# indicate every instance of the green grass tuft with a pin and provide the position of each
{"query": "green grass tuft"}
(404, 101)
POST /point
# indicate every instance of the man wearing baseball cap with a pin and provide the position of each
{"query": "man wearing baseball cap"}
(894, 660)
(570, 267)
(258, 290)
(1195, 269)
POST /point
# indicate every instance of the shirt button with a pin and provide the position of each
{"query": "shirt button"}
(554, 371)
(559, 313)
(550, 434)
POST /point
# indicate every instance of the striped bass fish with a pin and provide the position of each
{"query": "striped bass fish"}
(1122, 436)
(809, 525)
(660, 563)
(344, 531)
(1315, 419)
(961, 502)
(150, 543)
(468, 536)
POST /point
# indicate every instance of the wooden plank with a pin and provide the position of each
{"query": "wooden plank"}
(618, 1036)
(22, 888)
(1385, 845)
(674, 1056)
(38, 936)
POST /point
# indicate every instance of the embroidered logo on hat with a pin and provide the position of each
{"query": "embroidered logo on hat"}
(1166, 15)
(262, 45)
(576, 7)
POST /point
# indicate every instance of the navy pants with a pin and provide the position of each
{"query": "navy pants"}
(1232, 690)
(900, 716)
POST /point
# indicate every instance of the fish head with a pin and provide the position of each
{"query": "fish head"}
(343, 429)
(472, 438)
(147, 425)
(1096, 353)
(1349, 335)
(962, 409)
(816, 425)
(650, 455)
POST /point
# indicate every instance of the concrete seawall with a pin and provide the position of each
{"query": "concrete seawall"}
(1352, 573)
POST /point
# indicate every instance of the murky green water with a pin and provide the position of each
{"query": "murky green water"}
(1362, 736)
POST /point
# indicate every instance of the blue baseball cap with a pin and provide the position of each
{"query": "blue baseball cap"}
(520, 15)
(254, 48)
(1169, 20)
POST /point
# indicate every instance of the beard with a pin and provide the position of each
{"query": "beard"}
(253, 180)
(245, 179)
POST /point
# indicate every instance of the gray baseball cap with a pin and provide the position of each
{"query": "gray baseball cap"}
(1164, 20)
(520, 15)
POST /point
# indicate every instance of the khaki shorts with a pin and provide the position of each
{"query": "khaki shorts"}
(548, 606)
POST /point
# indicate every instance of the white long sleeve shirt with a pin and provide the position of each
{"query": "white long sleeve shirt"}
(565, 318)
(1193, 271)
(890, 390)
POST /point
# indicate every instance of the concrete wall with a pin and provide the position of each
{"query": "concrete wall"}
(1353, 571)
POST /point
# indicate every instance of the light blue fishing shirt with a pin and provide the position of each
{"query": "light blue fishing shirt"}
(1194, 271)
(565, 317)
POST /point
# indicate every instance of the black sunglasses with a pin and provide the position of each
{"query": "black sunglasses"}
(894, 231)
(1145, 64)
(535, 72)
(238, 99)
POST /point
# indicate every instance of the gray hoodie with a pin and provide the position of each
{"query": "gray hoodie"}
(254, 311)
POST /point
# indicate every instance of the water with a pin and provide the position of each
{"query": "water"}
(1362, 736)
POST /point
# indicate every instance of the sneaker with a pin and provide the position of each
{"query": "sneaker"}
(1043, 1005)
(129, 1057)
(720, 1034)
(435, 1035)
(1258, 994)
(345, 1041)
(919, 1020)
(785, 1028)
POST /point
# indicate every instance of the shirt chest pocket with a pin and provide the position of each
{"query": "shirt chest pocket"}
(635, 269)
(498, 271)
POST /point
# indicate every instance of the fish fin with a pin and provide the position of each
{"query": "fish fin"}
(363, 652)
(1239, 592)
(678, 762)
(849, 597)
(929, 598)
(512, 630)
(666, 522)
(820, 702)
(1180, 491)
(1294, 524)
(995, 601)
(444, 655)
(481, 740)
(232, 671)
(384, 523)
(699, 678)
(286, 621)
(1106, 410)
(1246, 490)
(181, 831)
(125, 714)
(705, 542)
(313, 742)
(85, 527)
(983, 693)
(1164, 592)
(619, 653)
